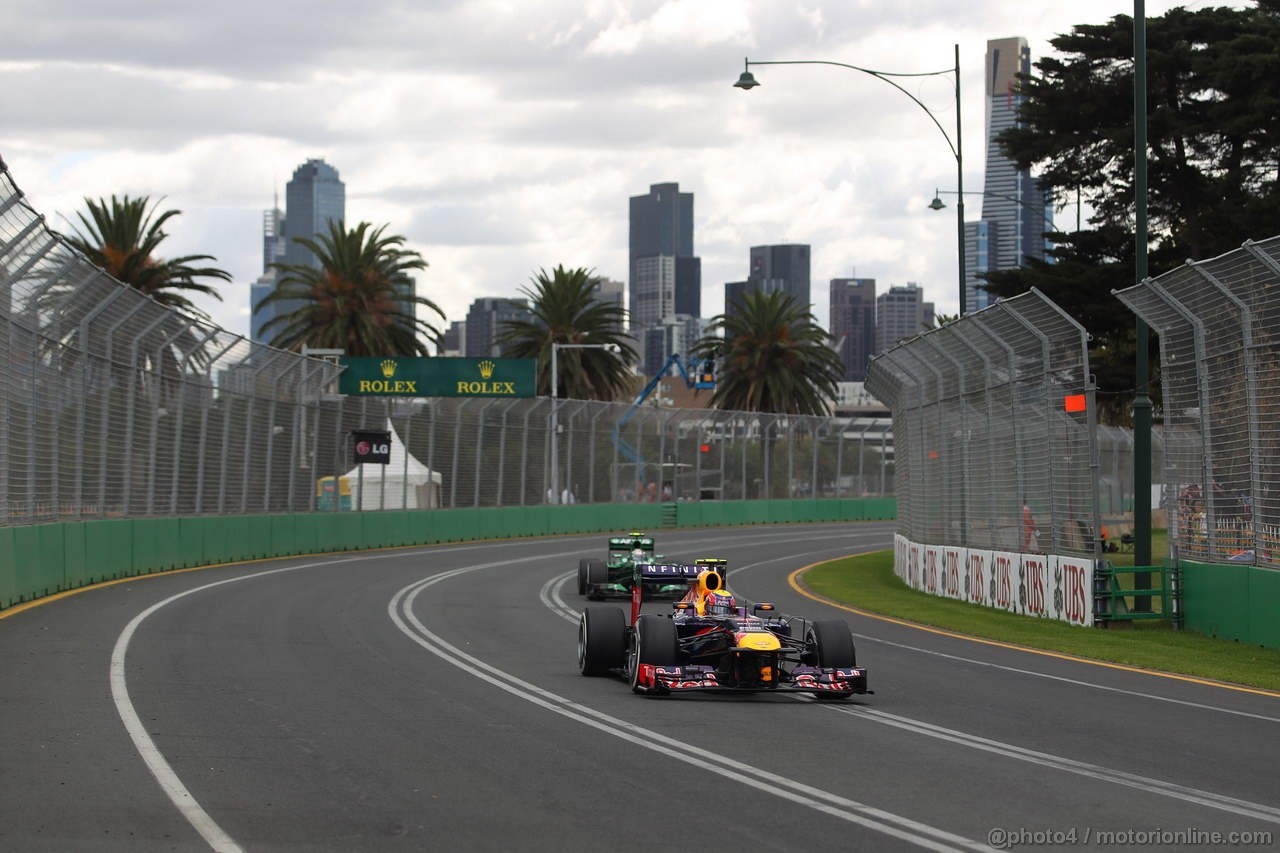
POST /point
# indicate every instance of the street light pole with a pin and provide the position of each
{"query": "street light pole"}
(555, 411)
(747, 81)
(1142, 399)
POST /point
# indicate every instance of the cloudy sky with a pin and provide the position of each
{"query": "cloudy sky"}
(504, 136)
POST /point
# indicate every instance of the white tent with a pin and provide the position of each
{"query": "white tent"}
(403, 483)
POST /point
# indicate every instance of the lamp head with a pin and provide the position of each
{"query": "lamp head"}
(746, 81)
(937, 203)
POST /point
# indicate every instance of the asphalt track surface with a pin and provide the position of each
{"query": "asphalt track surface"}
(429, 699)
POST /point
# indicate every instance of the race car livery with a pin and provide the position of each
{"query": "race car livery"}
(614, 576)
(702, 646)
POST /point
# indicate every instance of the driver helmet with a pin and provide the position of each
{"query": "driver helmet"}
(720, 604)
(638, 555)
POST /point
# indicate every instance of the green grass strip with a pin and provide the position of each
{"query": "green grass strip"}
(868, 583)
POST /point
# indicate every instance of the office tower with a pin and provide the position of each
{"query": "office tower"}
(653, 290)
(273, 243)
(313, 197)
(485, 322)
(853, 324)
(1016, 210)
(661, 233)
(673, 334)
(612, 292)
(455, 339)
(783, 268)
(901, 313)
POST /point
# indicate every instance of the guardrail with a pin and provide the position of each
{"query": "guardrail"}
(45, 559)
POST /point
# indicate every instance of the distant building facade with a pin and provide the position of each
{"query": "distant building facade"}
(665, 275)
(485, 322)
(1016, 209)
(314, 197)
(781, 268)
(853, 324)
(454, 340)
(901, 312)
(675, 333)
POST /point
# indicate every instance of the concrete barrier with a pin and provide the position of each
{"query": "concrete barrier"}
(45, 559)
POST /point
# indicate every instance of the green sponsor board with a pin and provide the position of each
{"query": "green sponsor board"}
(437, 377)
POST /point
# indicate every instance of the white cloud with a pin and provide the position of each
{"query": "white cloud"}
(504, 137)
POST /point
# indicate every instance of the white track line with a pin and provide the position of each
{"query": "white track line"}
(929, 837)
(551, 595)
(160, 768)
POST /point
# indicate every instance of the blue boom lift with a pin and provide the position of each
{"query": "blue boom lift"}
(703, 377)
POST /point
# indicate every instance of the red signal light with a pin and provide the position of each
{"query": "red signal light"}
(705, 448)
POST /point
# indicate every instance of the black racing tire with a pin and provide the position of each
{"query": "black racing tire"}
(582, 576)
(653, 641)
(831, 643)
(602, 640)
(597, 575)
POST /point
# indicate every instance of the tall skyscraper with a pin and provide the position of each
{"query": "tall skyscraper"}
(853, 324)
(1014, 205)
(783, 267)
(661, 227)
(273, 243)
(313, 198)
(901, 312)
(485, 322)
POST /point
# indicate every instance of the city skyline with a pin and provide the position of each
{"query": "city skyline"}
(504, 140)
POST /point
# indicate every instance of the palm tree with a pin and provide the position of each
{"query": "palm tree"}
(357, 300)
(773, 357)
(122, 237)
(566, 311)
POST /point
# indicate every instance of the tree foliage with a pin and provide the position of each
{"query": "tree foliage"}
(773, 357)
(1213, 139)
(358, 298)
(123, 237)
(566, 311)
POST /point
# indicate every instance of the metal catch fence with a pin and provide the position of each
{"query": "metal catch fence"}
(994, 440)
(1219, 327)
(112, 405)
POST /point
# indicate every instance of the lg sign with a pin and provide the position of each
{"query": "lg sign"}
(374, 447)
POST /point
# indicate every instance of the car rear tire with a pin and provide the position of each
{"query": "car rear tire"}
(582, 576)
(602, 640)
(654, 641)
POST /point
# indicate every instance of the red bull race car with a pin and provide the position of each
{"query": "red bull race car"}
(710, 643)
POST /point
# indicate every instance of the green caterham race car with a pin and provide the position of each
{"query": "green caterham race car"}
(614, 575)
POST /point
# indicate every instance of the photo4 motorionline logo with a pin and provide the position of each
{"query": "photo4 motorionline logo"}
(1003, 838)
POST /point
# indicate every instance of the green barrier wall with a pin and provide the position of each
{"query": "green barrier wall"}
(1232, 601)
(46, 559)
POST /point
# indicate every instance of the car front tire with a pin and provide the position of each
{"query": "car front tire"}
(602, 640)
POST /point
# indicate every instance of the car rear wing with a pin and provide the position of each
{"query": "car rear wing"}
(667, 572)
(628, 543)
(656, 574)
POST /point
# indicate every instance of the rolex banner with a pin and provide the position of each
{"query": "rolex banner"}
(438, 377)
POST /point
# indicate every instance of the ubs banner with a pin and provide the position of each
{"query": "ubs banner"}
(1047, 586)
(438, 377)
